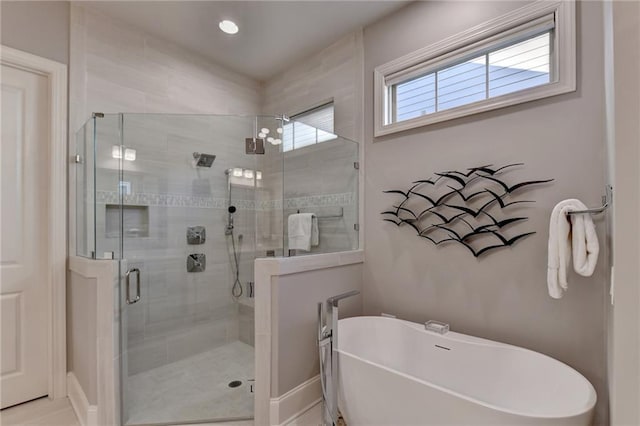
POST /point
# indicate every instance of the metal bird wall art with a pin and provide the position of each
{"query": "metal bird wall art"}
(468, 207)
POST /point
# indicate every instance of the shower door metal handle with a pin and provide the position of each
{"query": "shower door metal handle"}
(128, 285)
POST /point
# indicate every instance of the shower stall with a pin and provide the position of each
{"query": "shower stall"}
(185, 204)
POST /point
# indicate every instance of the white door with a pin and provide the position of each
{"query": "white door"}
(24, 234)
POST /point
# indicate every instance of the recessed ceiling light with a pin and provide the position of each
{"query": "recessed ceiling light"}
(228, 27)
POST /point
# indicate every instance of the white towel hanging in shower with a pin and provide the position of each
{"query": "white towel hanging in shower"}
(303, 231)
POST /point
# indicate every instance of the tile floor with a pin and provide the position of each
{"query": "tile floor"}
(311, 417)
(40, 412)
(195, 388)
(43, 412)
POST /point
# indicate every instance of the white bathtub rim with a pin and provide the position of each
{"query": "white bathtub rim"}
(481, 342)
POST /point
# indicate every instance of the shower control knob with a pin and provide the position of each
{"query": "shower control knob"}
(196, 235)
(196, 262)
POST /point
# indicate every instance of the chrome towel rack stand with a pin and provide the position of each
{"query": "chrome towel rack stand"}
(607, 200)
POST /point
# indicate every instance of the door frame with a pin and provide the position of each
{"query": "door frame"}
(56, 74)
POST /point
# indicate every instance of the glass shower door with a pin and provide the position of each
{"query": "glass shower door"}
(188, 230)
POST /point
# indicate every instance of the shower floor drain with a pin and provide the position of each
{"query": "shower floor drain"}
(235, 384)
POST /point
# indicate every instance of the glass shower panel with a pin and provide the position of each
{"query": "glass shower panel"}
(85, 191)
(96, 186)
(269, 189)
(108, 162)
(188, 234)
(321, 177)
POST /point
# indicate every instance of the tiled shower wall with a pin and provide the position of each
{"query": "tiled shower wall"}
(116, 68)
(322, 179)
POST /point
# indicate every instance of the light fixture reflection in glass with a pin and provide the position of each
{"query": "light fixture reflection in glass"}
(279, 130)
(228, 27)
(237, 172)
(130, 154)
(270, 139)
(265, 130)
(277, 141)
(259, 175)
(261, 135)
(116, 151)
(248, 174)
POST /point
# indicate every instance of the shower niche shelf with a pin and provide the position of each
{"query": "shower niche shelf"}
(135, 221)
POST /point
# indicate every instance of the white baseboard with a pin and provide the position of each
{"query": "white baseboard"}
(292, 404)
(87, 414)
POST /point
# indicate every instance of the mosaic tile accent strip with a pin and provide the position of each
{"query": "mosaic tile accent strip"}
(178, 200)
(170, 200)
(345, 199)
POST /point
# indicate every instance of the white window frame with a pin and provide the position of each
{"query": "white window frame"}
(295, 119)
(478, 39)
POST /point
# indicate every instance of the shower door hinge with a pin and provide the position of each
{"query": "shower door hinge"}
(77, 159)
(356, 165)
(356, 226)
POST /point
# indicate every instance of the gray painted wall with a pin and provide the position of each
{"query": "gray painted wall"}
(504, 295)
(295, 300)
(37, 27)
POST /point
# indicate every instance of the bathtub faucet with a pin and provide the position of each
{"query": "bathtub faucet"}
(327, 349)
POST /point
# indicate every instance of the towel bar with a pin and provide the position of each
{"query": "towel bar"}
(330, 216)
(607, 199)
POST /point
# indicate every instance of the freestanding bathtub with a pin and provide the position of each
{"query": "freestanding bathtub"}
(394, 372)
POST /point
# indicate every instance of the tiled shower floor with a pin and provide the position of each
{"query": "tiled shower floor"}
(195, 388)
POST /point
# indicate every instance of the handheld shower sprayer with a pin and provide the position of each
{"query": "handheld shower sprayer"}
(236, 289)
(231, 210)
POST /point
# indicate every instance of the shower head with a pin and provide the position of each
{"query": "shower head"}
(204, 160)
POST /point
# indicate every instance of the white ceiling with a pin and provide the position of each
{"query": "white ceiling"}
(273, 34)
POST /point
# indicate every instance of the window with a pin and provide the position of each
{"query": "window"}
(525, 55)
(309, 128)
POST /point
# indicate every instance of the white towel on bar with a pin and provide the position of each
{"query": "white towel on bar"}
(570, 236)
(303, 231)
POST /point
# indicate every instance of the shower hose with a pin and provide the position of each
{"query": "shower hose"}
(236, 290)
